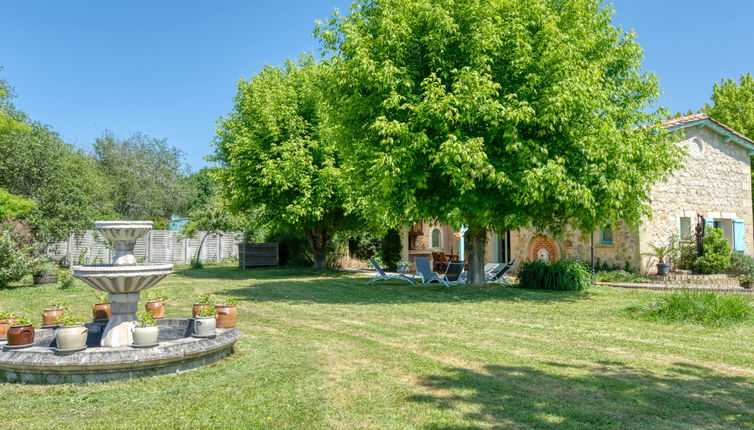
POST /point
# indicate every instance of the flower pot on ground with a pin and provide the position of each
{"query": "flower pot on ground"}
(146, 332)
(663, 269)
(202, 301)
(6, 320)
(101, 309)
(50, 315)
(227, 313)
(72, 333)
(21, 332)
(205, 322)
(156, 303)
(662, 252)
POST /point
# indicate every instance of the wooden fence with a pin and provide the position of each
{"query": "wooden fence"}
(157, 246)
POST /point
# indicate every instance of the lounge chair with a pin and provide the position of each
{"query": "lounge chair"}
(499, 273)
(455, 273)
(382, 276)
(424, 271)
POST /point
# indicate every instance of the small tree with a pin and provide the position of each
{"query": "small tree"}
(390, 250)
(212, 218)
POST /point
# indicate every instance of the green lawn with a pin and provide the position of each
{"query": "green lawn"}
(326, 350)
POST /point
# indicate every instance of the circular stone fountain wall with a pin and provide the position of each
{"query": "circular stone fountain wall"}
(178, 351)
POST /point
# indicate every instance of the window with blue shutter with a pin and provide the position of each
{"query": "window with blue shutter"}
(739, 242)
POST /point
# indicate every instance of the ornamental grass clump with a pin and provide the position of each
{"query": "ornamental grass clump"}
(564, 275)
(699, 308)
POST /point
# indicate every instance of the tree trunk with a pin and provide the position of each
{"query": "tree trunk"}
(318, 240)
(476, 243)
(199, 250)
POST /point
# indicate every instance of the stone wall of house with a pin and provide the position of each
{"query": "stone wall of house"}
(716, 183)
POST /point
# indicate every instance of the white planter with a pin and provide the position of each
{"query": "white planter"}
(204, 326)
(71, 338)
(146, 336)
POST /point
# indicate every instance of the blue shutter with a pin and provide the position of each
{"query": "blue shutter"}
(739, 244)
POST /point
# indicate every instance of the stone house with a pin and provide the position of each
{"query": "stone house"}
(715, 183)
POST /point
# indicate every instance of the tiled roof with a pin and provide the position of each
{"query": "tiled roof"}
(689, 119)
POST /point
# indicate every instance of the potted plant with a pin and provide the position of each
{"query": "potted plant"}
(56, 310)
(746, 280)
(205, 322)
(227, 313)
(45, 272)
(205, 300)
(101, 309)
(661, 253)
(146, 332)
(6, 319)
(71, 334)
(20, 332)
(156, 303)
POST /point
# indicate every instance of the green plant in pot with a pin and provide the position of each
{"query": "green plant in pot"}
(53, 312)
(6, 319)
(156, 303)
(20, 332)
(662, 252)
(746, 280)
(227, 313)
(101, 307)
(71, 334)
(204, 300)
(205, 322)
(146, 331)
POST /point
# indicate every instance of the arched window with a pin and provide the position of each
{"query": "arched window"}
(436, 238)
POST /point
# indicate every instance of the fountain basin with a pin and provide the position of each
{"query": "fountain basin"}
(178, 351)
(123, 230)
(122, 279)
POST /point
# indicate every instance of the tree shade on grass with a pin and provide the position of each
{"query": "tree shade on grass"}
(321, 350)
(496, 115)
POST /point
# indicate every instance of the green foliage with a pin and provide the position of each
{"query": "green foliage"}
(294, 249)
(702, 308)
(101, 296)
(497, 114)
(685, 256)
(205, 299)
(68, 319)
(278, 155)
(12, 206)
(365, 246)
(58, 304)
(65, 279)
(197, 264)
(207, 311)
(145, 319)
(619, 276)
(14, 262)
(716, 258)
(565, 275)
(733, 104)
(661, 251)
(230, 301)
(21, 319)
(156, 295)
(741, 264)
(390, 249)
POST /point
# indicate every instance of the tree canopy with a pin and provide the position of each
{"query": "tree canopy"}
(496, 115)
(277, 154)
(733, 104)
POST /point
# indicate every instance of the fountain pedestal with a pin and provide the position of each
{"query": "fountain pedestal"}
(123, 308)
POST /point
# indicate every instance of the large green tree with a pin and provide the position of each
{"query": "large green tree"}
(496, 115)
(278, 155)
(733, 104)
(149, 177)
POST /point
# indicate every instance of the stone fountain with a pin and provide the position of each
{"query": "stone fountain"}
(124, 279)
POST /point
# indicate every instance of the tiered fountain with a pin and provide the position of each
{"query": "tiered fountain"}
(123, 279)
(109, 355)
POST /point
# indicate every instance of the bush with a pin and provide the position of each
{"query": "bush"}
(390, 249)
(294, 249)
(686, 256)
(563, 275)
(14, 263)
(716, 258)
(741, 264)
(619, 276)
(65, 279)
(702, 308)
(364, 246)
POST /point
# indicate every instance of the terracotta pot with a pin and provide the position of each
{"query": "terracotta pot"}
(21, 335)
(226, 316)
(204, 326)
(71, 337)
(146, 336)
(101, 311)
(195, 309)
(4, 326)
(156, 308)
(50, 316)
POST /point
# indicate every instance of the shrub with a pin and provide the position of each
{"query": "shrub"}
(686, 255)
(702, 308)
(716, 258)
(65, 279)
(14, 263)
(563, 275)
(390, 249)
(364, 246)
(619, 276)
(196, 264)
(741, 264)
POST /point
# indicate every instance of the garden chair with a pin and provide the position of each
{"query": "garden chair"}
(455, 273)
(382, 276)
(425, 271)
(499, 273)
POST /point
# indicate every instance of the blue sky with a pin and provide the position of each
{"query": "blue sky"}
(169, 68)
